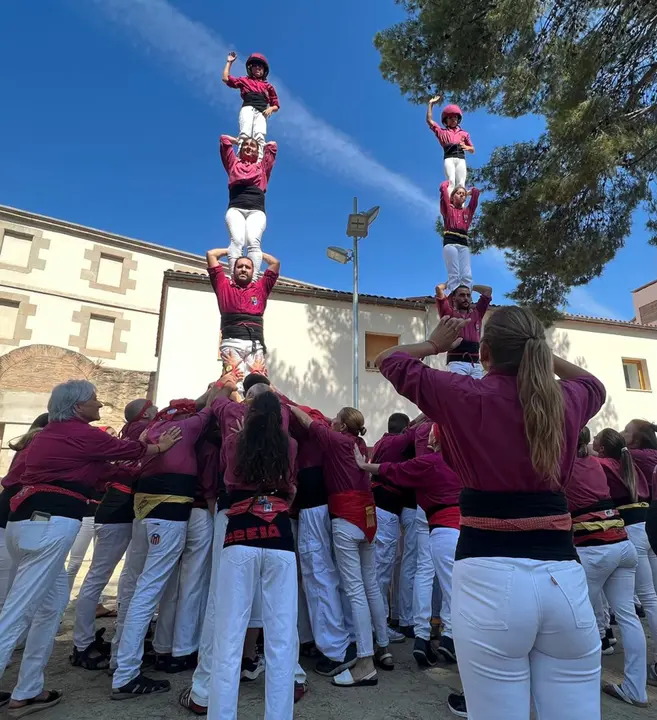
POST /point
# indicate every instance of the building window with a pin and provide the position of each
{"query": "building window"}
(15, 309)
(100, 333)
(636, 374)
(8, 318)
(375, 344)
(109, 269)
(648, 313)
(20, 247)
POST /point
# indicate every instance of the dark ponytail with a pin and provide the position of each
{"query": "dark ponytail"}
(583, 442)
(613, 445)
(263, 446)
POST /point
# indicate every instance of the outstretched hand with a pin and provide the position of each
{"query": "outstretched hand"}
(169, 438)
(267, 112)
(232, 56)
(360, 460)
(446, 334)
(435, 99)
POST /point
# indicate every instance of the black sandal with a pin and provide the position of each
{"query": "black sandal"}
(383, 659)
(5, 697)
(141, 685)
(89, 661)
(309, 650)
(35, 705)
(185, 700)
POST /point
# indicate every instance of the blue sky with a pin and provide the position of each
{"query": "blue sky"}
(112, 110)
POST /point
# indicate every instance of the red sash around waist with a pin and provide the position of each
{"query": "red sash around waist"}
(446, 517)
(265, 507)
(120, 487)
(356, 507)
(26, 492)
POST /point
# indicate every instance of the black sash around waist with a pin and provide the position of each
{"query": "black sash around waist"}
(453, 150)
(243, 326)
(258, 101)
(311, 491)
(116, 507)
(54, 503)
(531, 544)
(455, 237)
(467, 351)
(169, 484)
(253, 531)
(246, 197)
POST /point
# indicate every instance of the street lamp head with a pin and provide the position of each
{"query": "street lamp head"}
(338, 254)
(372, 214)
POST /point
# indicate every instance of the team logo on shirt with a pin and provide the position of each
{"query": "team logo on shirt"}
(155, 539)
(254, 300)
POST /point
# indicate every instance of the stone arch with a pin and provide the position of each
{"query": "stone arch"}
(38, 368)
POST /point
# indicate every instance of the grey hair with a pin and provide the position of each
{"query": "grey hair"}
(256, 390)
(66, 396)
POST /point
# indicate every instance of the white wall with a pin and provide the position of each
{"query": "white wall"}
(600, 349)
(309, 344)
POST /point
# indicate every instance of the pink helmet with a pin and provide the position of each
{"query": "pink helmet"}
(451, 110)
(257, 58)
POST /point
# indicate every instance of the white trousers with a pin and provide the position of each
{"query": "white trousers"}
(240, 358)
(525, 630)
(79, 550)
(612, 568)
(166, 541)
(424, 575)
(201, 680)
(386, 543)
(355, 558)
(455, 172)
(475, 370)
(245, 227)
(442, 542)
(183, 605)
(111, 542)
(134, 564)
(7, 569)
(646, 576)
(458, 266)
(243, 572)
(304, 627)
(37, 598)
(253, 124)
(321, 581)
(408, 565)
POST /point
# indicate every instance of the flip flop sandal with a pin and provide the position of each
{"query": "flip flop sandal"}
(346, 679)
(383, 659)
(141, 685)
(34, 705)
(185, 700)
(615, 692)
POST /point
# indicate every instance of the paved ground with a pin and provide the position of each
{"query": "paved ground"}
(406, 693)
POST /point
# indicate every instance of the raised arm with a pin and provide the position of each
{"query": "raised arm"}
(304, 419)
(228, 157)
(443, 304)
(214, 256)
(430, 121)
(225, 76)
(485, 290)
(273, 264)
(269, 157)
(272, 99)
(474, 200)
(565, 370)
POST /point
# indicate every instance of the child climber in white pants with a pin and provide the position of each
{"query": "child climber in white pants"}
(457, 217)
(454, 140)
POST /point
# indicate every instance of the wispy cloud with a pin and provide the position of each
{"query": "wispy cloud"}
(582, 302)
(198, 55)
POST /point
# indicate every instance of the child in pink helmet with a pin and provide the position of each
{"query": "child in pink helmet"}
(455, 141)
(259, 98)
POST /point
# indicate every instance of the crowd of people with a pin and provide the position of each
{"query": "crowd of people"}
(255, 530)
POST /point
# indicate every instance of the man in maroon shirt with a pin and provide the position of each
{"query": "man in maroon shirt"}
(464, 359)
(242, 302)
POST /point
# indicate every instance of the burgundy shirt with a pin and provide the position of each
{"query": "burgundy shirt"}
(450, 136)
(181, 458)
(422, 432)
(248, 85)
(341, 473)
(16, 469)
(457, 219)
(394, 448)
(310, 453)
(481, 422)
(228, 413)
(472, 331)
(207, 457)
(434, 482)
(74, 451)
(249, 300)
(645, 459)
(617, 488)
(132, 430)
(241, 172)
(587, 484)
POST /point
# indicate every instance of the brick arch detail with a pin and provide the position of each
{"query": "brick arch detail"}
(37, 368)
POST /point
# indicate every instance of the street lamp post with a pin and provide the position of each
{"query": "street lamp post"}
(357, 228)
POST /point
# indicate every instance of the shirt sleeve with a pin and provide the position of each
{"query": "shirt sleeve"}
(227, 413)
(235, 82)
(218, 280)
(410, 474)
(482, 305)
(272, 96)
(323, 434)
(474, 201)
(268, 160)
(267, 281)
(444, 307)
(444, 199)
(208, 470)
(440, 134)
(585, 396)
(228, 157)
(467, 139)
(193, 426)
(431, 390)
(100, 445)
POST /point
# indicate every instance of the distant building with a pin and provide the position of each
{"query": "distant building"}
(139, 319)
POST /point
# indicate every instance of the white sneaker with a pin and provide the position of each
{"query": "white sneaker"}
(395, 637)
